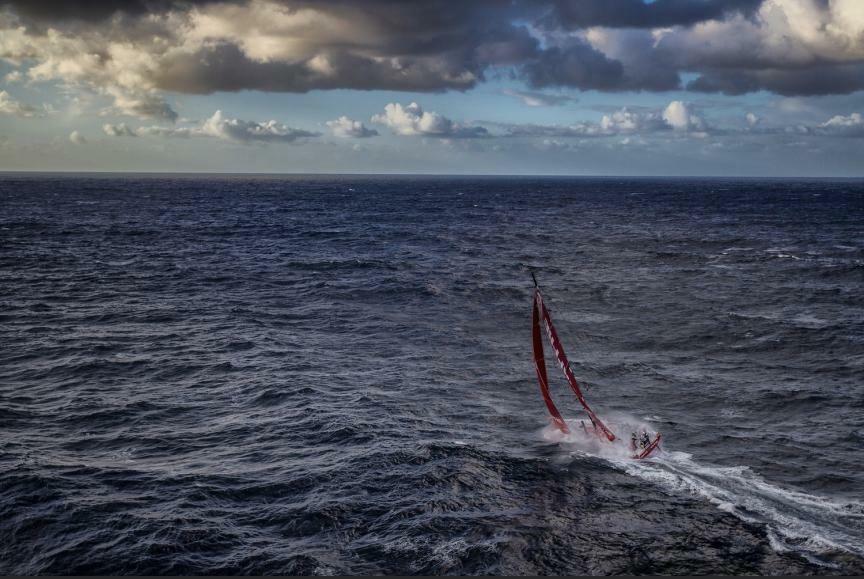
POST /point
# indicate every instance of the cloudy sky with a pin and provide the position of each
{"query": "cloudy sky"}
(669, 87)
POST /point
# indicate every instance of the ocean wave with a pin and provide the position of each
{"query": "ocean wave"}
(278, 375)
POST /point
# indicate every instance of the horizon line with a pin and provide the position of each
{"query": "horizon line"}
(4, 172)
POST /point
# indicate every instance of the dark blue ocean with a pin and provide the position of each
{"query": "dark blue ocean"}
(333, 375)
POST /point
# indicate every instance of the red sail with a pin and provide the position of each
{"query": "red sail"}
(540, 364)
(564, 363)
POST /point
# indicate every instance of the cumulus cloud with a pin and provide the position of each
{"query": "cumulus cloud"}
(147, 106)
(843, 126)
(533, 98)
(679, 121)
(791, 47)
(626, 121)
(77, 138)
(217, 126)
(91, 60)
(413, 120)
(118, 130)
(124, 130)
(9, 106)
(250, 131)
(349, 128)
(678, 116)
(170, 132)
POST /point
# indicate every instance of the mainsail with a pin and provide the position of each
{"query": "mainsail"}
(540, 311)
(540, 365)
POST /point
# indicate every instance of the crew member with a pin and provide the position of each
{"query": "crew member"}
(645, 440)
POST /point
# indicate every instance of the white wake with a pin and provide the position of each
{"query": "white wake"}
(810, 525)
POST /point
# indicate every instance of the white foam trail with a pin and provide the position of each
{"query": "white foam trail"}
(795, 521)
(581, 440)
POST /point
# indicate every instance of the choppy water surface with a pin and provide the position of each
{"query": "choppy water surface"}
(333, 375)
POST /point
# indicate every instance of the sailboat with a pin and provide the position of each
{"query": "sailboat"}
(540, 315)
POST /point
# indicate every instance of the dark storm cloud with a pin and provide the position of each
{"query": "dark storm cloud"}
(818, 80)
(582, 66)
(422, 46)
(59, 10)
(639, 14)
(133, 50)
(568, 13)
(578, 65)
(266, 45)
(226, 68)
